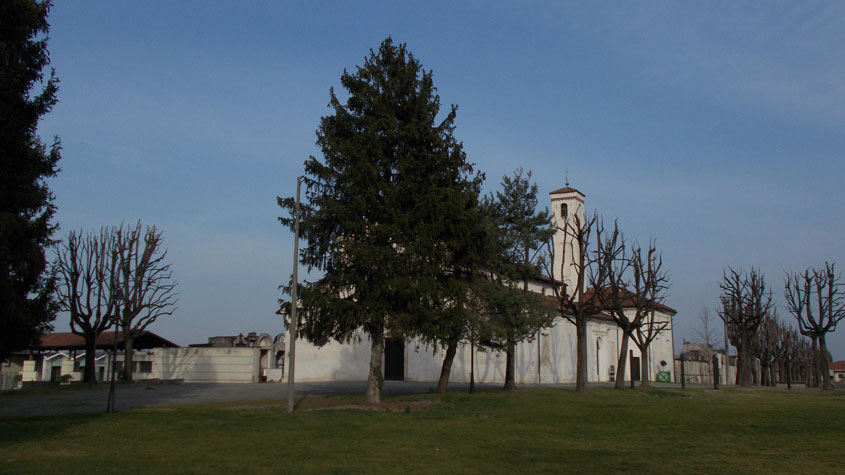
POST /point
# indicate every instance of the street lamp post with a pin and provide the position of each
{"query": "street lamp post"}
(110, 405)
(294, 318)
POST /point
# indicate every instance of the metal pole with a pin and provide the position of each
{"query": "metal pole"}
(471, 365)
(683, 373)
(294, 320)
(539, 379)
(727, 357)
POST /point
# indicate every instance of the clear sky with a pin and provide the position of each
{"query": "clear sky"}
(716, 128)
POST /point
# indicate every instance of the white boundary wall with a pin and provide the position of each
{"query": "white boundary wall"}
(207, 365)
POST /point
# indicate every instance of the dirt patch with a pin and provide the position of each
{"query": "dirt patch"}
(389, 406)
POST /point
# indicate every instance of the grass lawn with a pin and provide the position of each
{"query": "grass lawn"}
(647, 431)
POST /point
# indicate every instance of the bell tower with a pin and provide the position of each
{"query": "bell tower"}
(567, 217)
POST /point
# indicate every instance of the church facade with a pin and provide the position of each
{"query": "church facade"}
(548, 358)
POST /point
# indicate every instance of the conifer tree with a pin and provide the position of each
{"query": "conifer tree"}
(26, 203)
(522, 230)
(375, 218)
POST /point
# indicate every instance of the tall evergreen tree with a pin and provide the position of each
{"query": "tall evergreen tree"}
(26, 203)
(372, 210)
(522, 231)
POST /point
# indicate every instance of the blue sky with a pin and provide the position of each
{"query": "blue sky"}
(717, 129)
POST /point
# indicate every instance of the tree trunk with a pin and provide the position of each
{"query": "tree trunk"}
(824, 367)
(510, 363)
(127, 355)
(90, 358)
(581, 364)
(816, 364)
(644, 382)
(621, 364)
(446, 370)
(744, 360)
(375, 380)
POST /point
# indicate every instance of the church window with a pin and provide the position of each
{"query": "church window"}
(563, 210)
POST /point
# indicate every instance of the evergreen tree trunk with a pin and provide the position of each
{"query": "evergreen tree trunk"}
(581, 364)
(644, 367)
(127, 354)
(622, 362)
(446, 369)
(510, 363)
(375, 380)
(90, 358)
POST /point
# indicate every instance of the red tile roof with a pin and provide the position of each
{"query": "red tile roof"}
(627, 302)
(566, 189)
(71, 341)
(837, 366)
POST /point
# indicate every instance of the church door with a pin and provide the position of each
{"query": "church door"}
(635, 368)
(394, 359)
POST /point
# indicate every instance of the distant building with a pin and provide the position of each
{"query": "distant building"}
(60, 357)
(837, 372)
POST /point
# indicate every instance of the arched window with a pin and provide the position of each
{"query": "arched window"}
(563, 210)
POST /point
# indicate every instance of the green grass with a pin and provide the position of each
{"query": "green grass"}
(647, 431)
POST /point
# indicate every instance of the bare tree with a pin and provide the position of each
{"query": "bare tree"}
(574, 303)
(707, 331)
(633, 291)
(86, 269)
(648, 287)
(612, 255)
(766, 346)
(815, 299)
(745, 302)
(145, 280)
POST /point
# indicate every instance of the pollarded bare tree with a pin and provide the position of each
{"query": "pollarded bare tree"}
(575, 304)
(145, 282)
(648, 288)
(745, 302)
(86, 267)
(766, 345)
(611, 253)
(631, 292)
(815, 299)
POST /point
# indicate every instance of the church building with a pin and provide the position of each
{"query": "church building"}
(550, 357)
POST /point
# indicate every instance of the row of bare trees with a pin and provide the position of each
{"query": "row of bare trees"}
(115, 277)
(815, 300)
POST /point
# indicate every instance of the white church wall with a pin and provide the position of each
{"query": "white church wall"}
(331, 362)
